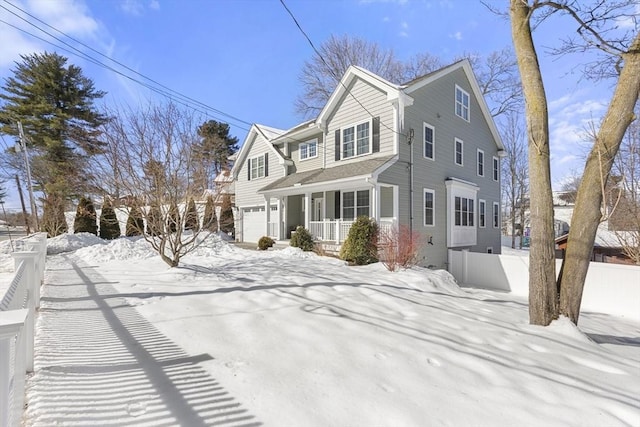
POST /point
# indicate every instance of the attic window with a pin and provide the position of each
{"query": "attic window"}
(462, 103)
(356, 140)
(257, 168)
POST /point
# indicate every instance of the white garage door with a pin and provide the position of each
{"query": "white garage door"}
(253, 224)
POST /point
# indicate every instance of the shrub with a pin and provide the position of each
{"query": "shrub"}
(109, 225)
(135, 223)
(360, 248)
(226, 216)
(53, 220)
(399, 247)
(191, 220)
(302, 239)
(210, 220)
(265, 243)
(85, 221)
(154, 221)
(173, 219)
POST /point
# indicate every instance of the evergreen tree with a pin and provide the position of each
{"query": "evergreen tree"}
(55, 104)
(109, 225)
(154, 221)
(213, 151)
(173, 219)
(191, 220)
(226, 216)
(361, 246)
(210, 220)
(85, 221)
(135, 222)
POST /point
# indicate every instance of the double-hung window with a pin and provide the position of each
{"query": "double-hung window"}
(480, 162)
(309, 150)
(464, 212)
(429, 142)
(496, 215)
(482, 213)
(429, 207)
(462, 103)
(496, 168)
(256, 167)
(355, 204)
(458, 151)
(356, 140)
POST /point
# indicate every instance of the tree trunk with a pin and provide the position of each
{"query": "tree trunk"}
(589, 198)
(543, 301)
(513, 208)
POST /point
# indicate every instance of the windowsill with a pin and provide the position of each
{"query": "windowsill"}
(308, 158)
(356, 156)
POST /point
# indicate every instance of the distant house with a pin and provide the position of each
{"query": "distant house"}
(425, 154)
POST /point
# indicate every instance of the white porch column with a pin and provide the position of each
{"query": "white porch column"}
(267, 208)
(375, 202)
(280, 226)
(307, 210)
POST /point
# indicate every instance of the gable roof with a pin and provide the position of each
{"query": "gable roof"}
(465, 65)
(267, 133)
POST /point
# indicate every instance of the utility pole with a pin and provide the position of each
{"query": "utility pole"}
(23, 146)
(24, 209)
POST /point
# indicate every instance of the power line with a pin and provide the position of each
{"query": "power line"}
(331, 69)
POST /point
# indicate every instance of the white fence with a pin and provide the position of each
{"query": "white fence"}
(17, 326)
(609, 288)
(338, 230)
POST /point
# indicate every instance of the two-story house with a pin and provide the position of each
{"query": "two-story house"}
(425, 154)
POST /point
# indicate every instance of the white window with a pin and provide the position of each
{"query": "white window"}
(429, 141)
(496, 168)
(496, 215)
(462, 103)
(458, 151)
(355, 204)
(309, 150)
(464, 211)
(429, 207)
(356, 140)
(480, 162)
(256, 166)
(482, 213)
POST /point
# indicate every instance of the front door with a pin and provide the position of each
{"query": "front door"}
(318, 209)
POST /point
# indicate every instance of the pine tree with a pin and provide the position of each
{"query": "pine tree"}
(109, 225)
(191, 220)
(85, 221)
(135, 222)
(154, 221)
(173, 219)
(210, 220)
(212, 151)
(226, 216)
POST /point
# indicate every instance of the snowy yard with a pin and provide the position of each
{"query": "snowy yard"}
(300, 340)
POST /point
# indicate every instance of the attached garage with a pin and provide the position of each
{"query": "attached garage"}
(253, 224)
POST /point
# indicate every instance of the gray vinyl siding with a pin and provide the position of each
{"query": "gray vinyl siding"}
(247, 191)
(308, 164)
(350, 113)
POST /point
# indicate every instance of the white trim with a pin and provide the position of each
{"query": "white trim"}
(478, 152)
(496, 209)
(424, 141)
(424, 207)
(355, 202)
(460, 235)
(495, 171)
(307, 144)
(455, 151)
(264, 166)
(482, 210)
(463, 107)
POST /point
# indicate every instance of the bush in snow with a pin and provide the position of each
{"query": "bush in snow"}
(226, 216)
(173, 219)
(265, 243)
(302, 239)
(154, 221)
(191, 221)
(85, 221)
(360, 248)
(135, 223)
(210, 220)
(109, 225)
(53, 220)
(399, 247)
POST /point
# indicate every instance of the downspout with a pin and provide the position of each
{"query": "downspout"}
(410, 142)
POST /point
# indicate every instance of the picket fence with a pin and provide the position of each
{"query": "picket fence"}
(17, 325)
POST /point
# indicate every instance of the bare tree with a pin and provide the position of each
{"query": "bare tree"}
(148, 159)
(598, 28)
(515, 171)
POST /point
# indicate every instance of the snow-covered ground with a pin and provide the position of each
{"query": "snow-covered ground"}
(302, 340)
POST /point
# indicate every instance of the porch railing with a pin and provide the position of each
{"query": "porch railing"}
(17, 322)
(273, 229)
(337, 230)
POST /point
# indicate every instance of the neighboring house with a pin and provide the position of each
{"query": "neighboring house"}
(223, 184)
(425, 154)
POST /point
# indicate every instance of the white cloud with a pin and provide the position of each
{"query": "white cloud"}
(69, 16)
(456, 36)
(132, 7)
(154, 5)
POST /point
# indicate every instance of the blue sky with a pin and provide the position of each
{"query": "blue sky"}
(244, 57)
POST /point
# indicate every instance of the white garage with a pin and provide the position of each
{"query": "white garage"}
(253, 224)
